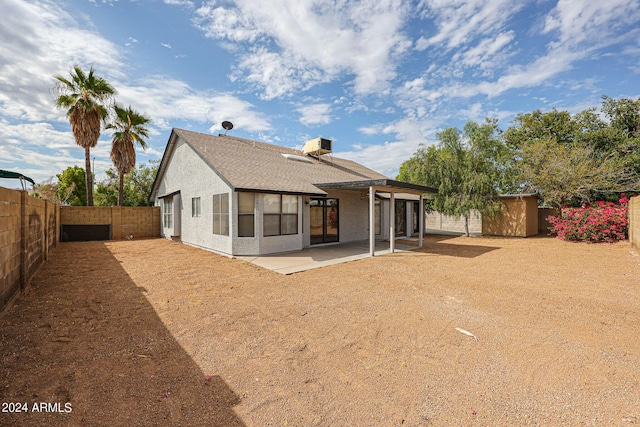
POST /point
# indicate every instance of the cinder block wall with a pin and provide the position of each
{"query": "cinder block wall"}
(437, 221)
(140, 222)
(10, 244)
(28, 230)
(81, 215)
(634, 223)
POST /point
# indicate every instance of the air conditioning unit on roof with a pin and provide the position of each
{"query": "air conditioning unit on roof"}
(317, 146)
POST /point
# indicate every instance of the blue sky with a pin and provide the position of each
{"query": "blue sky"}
(378, 77)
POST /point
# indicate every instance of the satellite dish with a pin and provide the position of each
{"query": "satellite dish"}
(227, 126)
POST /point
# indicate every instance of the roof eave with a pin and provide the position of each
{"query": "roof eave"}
(387, 184)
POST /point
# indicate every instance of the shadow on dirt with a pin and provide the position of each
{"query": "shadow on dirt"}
(439, 245)
(84, 340)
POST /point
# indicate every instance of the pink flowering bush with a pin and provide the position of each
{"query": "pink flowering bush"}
(604, 222)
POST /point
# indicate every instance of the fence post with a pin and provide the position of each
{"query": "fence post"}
(23, 239)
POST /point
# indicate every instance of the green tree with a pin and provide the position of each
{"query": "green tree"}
(573, 160)
(129, 128)
(71, 186)
(468, 168)
(624, 117)
(85, 97)
(137, 186)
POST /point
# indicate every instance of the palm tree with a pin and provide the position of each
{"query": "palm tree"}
(129, 128)
(85, 96)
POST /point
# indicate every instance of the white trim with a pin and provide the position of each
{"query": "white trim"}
(372, 221)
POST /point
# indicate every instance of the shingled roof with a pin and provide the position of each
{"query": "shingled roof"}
(248, 165)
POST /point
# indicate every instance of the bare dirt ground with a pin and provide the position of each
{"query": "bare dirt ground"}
(153, 332)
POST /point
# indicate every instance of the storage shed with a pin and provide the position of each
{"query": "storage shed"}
(519, 217)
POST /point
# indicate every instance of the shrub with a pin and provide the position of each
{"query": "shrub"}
(604, 222)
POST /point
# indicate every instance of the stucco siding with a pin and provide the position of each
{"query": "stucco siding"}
(188, 173)
(259, 244)
(353, 214)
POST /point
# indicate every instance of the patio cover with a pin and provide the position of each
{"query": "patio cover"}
(391, 187)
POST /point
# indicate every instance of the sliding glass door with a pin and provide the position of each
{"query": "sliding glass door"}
(324, 220)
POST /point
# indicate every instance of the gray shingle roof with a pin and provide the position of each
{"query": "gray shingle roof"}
(251, 165)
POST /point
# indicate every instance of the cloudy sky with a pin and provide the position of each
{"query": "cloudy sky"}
(378, 77)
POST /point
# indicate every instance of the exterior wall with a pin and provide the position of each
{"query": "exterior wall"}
(437, 221)
(634, 223)
(140, 222)
(386, 218)
(306, 222)
(188, 173)
(543, 224)
(519, 218)
(168, 232)
(260, 245)
(353, 214)
(28, 230)
(275, 244)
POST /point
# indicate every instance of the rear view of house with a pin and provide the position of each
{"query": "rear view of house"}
(242, 197)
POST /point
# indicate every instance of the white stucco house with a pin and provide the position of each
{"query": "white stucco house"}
(241, 197)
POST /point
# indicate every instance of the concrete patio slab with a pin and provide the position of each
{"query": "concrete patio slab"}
(321, 256)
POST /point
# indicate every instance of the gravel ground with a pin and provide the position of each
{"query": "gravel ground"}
(153, 332)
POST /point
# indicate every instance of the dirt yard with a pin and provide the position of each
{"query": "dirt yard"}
(152, 332)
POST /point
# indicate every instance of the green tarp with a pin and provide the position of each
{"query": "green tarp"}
(15, 175)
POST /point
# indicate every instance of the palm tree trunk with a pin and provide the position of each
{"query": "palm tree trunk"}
(88, 175)
(121, 189)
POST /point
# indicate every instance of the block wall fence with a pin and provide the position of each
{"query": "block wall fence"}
(139, 222)
(634, 223)
(30, 229)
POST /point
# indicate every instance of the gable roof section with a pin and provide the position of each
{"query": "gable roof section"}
(248, 165)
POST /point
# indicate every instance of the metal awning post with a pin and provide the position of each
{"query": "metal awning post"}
(392, 223)
(421, 220)
(372, 221)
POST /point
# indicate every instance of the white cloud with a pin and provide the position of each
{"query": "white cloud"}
(42, 40)
(298, 45)
(42, 30)
(278, 74)
(230, 23)
(315, 114)
(185, 3)
(167, 45)
(164, 100)
(460, 21)
(38, 145)
(581, 27)
(531, 75)
(408, 134)
(585, 20)
(484, 53)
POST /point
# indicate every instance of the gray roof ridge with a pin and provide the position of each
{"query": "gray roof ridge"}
(249, 142)
(332, 162)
